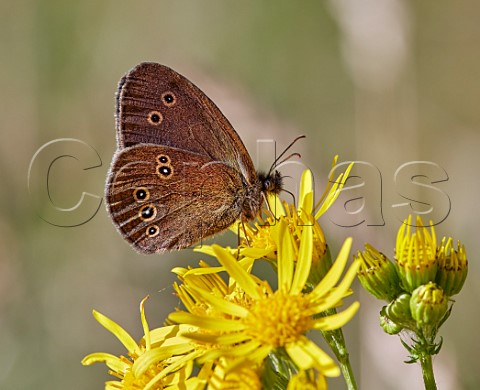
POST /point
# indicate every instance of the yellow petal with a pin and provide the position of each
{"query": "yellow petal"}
(113, 362)
(171, 368)
(260, 353)
(255, 253)
(204, 271)
(304, 262)
(342, 289)
(207, 249)
(113, 385)
(155, 355)
(236, 271)
(159, 335)
(220, 304)
(306, 206)
(180, 271)
(146, 330)
(333, 275)
(286, 258)
(306, 187)
(248, 349)
(223, 339)
(336, 321)
(307, 354)
(276, 206)
(118, 332)
(215, 324)
(333, 190)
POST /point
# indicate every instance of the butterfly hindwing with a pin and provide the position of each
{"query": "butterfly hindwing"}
(162, 198)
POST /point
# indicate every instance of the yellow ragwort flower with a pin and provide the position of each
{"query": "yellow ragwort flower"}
(452, 266)
(248, 319)
(161, 360)
(245, 318)
(258, 241)
(415, 254)
(377, 274)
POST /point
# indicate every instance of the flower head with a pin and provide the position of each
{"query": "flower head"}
(416, 254)
(161, 360)
(452, 267)
(247, 319)
(260, 240)
(377, 274)
(428, 305)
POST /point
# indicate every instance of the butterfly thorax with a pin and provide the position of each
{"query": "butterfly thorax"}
(271, 183)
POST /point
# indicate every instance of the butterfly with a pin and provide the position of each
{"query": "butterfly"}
(180, 172)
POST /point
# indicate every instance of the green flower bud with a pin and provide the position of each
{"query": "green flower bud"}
(377, 274)
(416, 255)
(388, 325)
(399, 311)
(452, 267)
(428, 305)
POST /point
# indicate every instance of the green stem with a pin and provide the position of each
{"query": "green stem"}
(427, 371)
(335, 339)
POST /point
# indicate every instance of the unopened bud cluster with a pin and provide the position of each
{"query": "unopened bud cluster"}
(419, 283)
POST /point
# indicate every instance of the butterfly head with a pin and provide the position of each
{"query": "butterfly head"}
(271, 183)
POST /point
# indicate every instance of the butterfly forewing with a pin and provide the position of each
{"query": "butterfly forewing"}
(157, 105)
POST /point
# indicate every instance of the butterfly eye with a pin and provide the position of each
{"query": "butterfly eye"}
(141, 194)
(169, 99)
(155, 118)
(148, 212)
(152, 231)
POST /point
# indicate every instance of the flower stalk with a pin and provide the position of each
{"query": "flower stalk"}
(336, 341)
(427, 371)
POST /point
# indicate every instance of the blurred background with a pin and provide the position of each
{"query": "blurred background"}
(382, 82)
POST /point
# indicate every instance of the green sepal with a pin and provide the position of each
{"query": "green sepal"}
(278, 369)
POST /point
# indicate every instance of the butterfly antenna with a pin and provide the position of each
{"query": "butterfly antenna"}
(286, 159)
(275, 163)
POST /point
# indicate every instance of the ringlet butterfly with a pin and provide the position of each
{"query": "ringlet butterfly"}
(180, 172)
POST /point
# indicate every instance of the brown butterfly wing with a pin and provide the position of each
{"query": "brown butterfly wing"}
(157, 105)
(163, 198)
